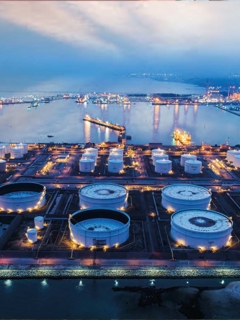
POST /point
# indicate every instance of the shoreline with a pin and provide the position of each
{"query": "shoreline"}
(63, 271)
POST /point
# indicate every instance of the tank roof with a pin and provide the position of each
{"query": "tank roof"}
(186, 192)
(193, 162)
(204, 221)
(103, 191)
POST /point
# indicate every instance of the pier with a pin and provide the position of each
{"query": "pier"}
(106, 124)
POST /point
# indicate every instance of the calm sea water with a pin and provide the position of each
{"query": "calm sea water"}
(94, 299)
(145, 123)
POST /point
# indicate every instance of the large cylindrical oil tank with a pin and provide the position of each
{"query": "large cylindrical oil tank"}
(90, 156)
(185, 196)
(104, 195)
(157, 151)
(185, 157)
(86, 165)
(201, 229)
(115, 166)
(2, 165)
(6, 146)
(32, 235)
(163, 166)
(39, 222)
(236, 161)
(231, 154)
(92, 151)
(22, 196)
(2, 152)
(116, 150)
(193, 166)
(159, 157)
(114, 156)
(16, 152)
(99, 227)
(24, 146)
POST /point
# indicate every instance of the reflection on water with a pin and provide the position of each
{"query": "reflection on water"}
(144, 122)
(88, 298)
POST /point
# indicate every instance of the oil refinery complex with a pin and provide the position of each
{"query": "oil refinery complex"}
(119, 201)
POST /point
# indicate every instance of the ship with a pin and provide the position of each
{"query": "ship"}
(34, 104)
(81, 99)
(183, 137)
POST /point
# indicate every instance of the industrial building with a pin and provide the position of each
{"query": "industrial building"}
(201, 229)
(99, 227)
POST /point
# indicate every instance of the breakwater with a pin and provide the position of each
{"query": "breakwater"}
(66, 271)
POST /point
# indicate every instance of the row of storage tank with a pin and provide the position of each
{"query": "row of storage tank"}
(163, 165)
(88, 160)
(101, 220)
(16, 151)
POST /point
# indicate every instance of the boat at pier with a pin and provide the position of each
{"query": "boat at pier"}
(183, 137)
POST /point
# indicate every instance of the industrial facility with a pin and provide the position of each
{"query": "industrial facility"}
(106, 195)
(143, 193)
(201, 229)
(99, 227)
(185, 196)
(23, 196)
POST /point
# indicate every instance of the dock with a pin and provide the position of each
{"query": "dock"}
(106, 124)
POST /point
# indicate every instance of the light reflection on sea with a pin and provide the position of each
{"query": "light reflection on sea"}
(58, 299)
(144, 122)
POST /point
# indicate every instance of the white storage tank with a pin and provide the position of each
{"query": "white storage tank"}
(86, 165)
(6, 146)
(231, 154)
(16, 152)
(236, 161)
(106, 195)
(89, 156)
(2, 165)
(2, 152)
(24, 146)
(185, 157)
(193, 166)
(92, 151)
(99, 227)
(114, 156)
(159, 157)
(163, 166)
(39, 222)
(115, 166)
(116, 150)
(32, 235)
(201, 229)
(185, 196)
(22, 196)
(157, 151)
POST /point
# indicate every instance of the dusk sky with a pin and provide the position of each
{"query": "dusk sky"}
(65, 38)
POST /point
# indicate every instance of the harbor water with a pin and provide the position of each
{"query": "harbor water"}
(87, 298)
(63, 119)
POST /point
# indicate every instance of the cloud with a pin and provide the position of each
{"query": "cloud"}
(135, 29)
(55, 20)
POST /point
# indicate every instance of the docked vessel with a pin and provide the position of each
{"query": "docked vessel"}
(182, 137)
(34, 104)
